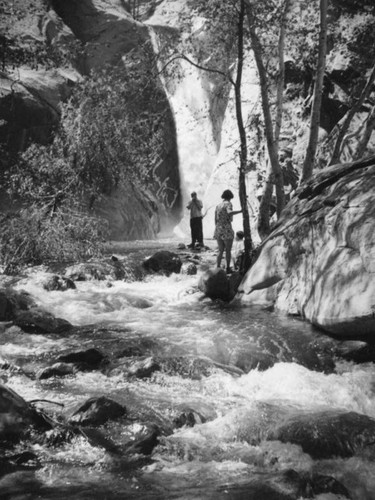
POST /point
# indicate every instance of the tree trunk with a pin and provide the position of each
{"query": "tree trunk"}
(248, 244)
(308, 164)
(344, 127)
(265, 203)
(271, 144)
(362, 144)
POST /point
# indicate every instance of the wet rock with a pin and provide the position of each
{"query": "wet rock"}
(327, 434)
(86, 271)
(164, 262)
(56, 370)
(37, 320)
(287, 485)
(145, 442)
(13, 302)
(189, 268)
(181, 246)
(17, 416)
(91, 358)
(194, 367)
(214, 284)
(97, 411)
(20, 461)
(189, 418)
(143, 368)
(58, 283)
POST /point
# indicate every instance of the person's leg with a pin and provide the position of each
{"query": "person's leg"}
(221, 246)
(192, 232)
(195, 232)
(228, 249)
(200, 231)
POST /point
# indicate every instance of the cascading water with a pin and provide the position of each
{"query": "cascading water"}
(235, 372)
(207, 132)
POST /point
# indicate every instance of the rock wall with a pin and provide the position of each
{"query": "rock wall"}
(319, 261)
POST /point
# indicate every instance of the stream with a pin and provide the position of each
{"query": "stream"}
(228, 369)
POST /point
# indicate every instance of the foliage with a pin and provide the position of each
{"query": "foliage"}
(108, 136)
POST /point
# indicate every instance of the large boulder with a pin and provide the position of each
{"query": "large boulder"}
(216, 284)
(319, 260)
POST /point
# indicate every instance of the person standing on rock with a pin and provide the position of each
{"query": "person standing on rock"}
(195, 206)
(224, 233)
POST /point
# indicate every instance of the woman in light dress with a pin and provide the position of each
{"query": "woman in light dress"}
(224, 233)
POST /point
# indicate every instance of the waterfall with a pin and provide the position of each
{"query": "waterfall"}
(207, 135)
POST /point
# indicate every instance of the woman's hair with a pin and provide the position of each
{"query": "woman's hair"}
(227, 195)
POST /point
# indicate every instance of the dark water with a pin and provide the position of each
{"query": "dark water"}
(227, 364)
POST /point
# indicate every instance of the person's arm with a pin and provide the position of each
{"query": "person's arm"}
(231, 211)
(188, 206)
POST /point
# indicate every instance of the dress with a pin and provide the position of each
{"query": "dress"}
(223, 221)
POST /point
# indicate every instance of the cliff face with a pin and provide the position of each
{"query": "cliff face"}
(319, 260)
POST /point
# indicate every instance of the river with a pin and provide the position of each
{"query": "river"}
(232, 368)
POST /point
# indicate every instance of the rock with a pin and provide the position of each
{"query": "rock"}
(56, 370)
(97, 411)
(16, 416)
(215, 284)
(13, 302)
(58, 283)
(90, 358)
(189, 268)
(145, 442)
(164, 262)
(143, 368)
(189, 418)
(327, 434)
(37, 320)
(87, 271)
(319, 260)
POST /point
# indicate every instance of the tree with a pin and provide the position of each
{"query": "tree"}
(308, 164)
(343, 128)
(107, 136)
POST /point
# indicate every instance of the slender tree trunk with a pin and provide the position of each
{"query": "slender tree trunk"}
(349, 117)
(271, 145)
(243, 141)
(308, 164)
(362, 144)
(265, 202)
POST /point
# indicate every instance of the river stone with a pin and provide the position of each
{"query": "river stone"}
(97, 411)
(87, 271)
(12, 302)
(56, 370)
(145, 441)
(164, 262)
(143, 368)
(189, 268)
(16, 416)
(90, 358)
(327, 434)
(37, 320)
(58, 283)
(214, 284)
(319, 261)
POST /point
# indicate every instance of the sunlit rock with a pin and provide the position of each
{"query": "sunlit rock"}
(97, 411)
(327, 434)
(56, 370)
(164, 262)
(143, 368)
(319, 260)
